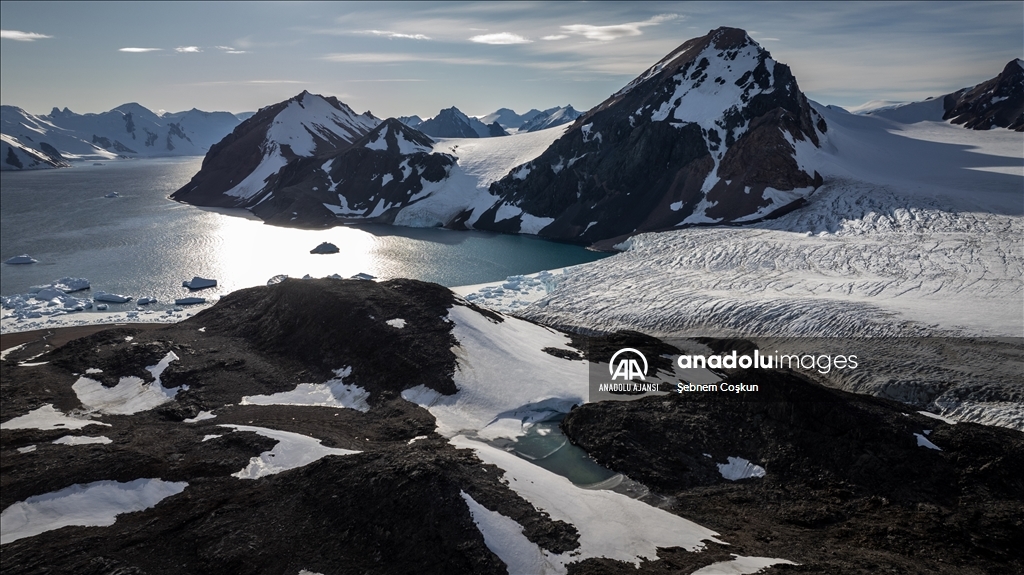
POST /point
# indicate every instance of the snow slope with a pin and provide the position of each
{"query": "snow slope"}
(481, 161)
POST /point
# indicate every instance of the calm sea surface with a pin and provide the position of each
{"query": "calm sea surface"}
(142, 244)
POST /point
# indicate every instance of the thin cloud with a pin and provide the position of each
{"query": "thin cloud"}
(390, 34)
(22, 36)
(139, 50)
(500, 38)
(768, 39)
(398, 58)
(188, 49)
(555, 37)
(615, 31)
(230, 50)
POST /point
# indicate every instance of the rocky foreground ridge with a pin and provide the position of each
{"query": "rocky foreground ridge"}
(852, 484)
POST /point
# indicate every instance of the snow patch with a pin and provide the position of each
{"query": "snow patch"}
(398, 323)
(82, 440)
(293, 450)
(48, 417)
(332, 393)
(741, 565)
(131, 395)
(739, 468)
(94, 504)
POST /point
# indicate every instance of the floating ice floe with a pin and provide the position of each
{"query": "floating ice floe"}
(363, 276)
(94, 504)
(22, 259)
(292, 450)
(48, 417)
(111, 297)
(146, 300)
(332, 393)
(199, 283)
(739, 468)
(325, 248)
(111, 194)
(47, 300)
(189, 301)
(66, 285)
(130, 395)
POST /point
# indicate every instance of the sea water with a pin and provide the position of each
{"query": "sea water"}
(140, 243)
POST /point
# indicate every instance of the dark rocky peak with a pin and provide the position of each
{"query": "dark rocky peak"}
(708, 134)
(449, 123)
(995, 103)
(397, 138)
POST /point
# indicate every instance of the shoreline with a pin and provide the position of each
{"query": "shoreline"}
(58, 336)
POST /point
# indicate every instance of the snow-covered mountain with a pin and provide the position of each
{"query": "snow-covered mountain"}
(237, 169)
(411, 121)
(550, 118)
(452, 123)
(508, 118)
(386, 170)
(995, 103)
(16, 156)
(714, 132)
(130, 130)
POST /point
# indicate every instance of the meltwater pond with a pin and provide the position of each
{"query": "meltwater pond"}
(139, 243)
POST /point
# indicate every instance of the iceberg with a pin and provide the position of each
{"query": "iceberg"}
(325, 248)
(146, 300)
(110, 297)
(363, 276)
(22, 259)
(189, 300)
(199, 283)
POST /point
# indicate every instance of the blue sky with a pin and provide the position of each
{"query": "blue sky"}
(415, 58)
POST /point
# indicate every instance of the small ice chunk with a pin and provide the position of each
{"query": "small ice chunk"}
(325, 248)
(22, 259)
(111, 297)
(212, 436)
(417, 438)
(396, 323)
(363, 276)
(112, 194)
(146, 300)
(94, 370)
(199, 283)
(739, 468)
(102, 307)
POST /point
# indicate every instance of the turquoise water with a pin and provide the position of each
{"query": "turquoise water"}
(142, 244)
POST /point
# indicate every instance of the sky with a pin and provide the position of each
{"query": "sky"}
(416, 58)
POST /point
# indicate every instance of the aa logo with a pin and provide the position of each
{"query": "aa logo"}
(627, 366)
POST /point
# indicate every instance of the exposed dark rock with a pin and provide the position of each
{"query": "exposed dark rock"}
(236, 156)
(847, 490)
(995, 103)
(629, 165)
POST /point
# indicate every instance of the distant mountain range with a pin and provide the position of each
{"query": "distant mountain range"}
(130, 130)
